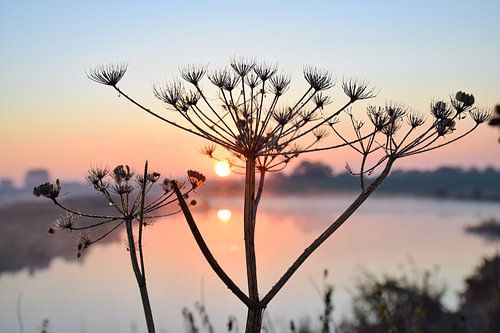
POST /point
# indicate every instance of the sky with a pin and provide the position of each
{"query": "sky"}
(53, 116)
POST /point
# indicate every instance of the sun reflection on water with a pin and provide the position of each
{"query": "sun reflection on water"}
(224, 215)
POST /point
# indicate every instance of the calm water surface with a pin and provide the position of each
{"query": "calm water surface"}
(98, 294)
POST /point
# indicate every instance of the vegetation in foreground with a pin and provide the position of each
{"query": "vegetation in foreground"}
(404, 304)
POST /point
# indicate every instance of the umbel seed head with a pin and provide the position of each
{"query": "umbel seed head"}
(108, 75)
(466, 99)
(196, 178)
(47, 190)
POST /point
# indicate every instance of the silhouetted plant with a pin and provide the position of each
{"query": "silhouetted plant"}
(206, 324)
(480, 301)
(232, 324)
(189, 321)
(304, 326)
(45, 328)
(137, 202)
(399, 304)
(247, 119)
(495, 120)
(326, 317)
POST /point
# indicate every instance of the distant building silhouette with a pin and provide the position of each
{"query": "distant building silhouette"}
(6, 185)
(35, 177)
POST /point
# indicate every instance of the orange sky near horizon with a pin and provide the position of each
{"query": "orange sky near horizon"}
(106, 130)
(52, 116)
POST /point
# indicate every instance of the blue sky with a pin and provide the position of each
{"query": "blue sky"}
(412, 50)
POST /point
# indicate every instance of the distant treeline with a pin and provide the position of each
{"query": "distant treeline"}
(316, 177)
(445, 182)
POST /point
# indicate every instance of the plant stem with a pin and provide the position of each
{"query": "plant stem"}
(141, 280)
(206, 251)
(254, 316)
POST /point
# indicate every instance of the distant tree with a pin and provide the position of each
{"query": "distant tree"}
(488, 229)
(313, 170)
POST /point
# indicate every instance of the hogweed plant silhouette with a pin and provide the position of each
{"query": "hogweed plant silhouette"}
(137, 201)
(248, 118)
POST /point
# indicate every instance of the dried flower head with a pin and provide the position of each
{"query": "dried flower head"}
(95, 176)
(123, 188)
(308, 115)
(48, 190)
(108, 74)
(265, 71)
(495, 118)
(167, 185)
(122, 173)
(171, 93)
(466, 99)
(97, 173)
(318, 79)
(208, 150)
(391, 128)
(357, 89)
(395, 110)
(231, 81)
(84, 240)
(252, 80)
(219, 77)
(196, 178)
(191, 98)
(320, 133)
(378, 117)
(283, 116)
(66, 221)
(415, 119)
(321, 100)
(445, 126)
(193, 73)
(441, 110)
(242, 66)
(279, 84)
(480, 115)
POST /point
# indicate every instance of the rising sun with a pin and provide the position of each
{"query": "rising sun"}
(222, 168)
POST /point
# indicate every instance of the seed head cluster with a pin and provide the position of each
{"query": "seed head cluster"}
(134, 198)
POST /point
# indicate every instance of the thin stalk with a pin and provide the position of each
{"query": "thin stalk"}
(83, 214)
(254, 316)
(141, 281)
(441, 145)
(259, 191)
(206, 251)
(141, 219)
(324, 121)
(259, 108)
(157, 115)
(107, 233)
(363, 162)
(92, 225)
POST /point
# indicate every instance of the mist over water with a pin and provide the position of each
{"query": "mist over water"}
(387, 235)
